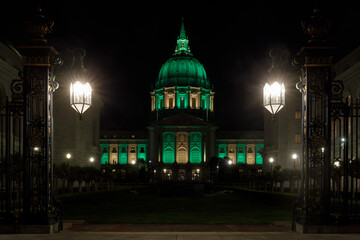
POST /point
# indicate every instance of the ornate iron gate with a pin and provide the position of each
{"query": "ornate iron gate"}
(26, 144)
(11, 162)
(330, 164)
(345, 162)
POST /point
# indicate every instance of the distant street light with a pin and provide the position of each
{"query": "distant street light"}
(68, 156)
(92, 159)
(294, 157)
(271, 160)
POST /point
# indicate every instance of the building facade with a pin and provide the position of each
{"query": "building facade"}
(10, 66)
(182, 139)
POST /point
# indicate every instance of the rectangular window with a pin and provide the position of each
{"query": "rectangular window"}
(250, 154)
(182, 104)
(222, 150)
(297, 138)
(297, 114)
(105, 153)
(171, 103)
(259, 151)
(153, 105)
(241, 155)
(142, 152)
(193, 102)
(231, 152)
(123, 153)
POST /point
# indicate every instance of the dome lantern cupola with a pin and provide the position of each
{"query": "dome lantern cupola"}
(182, 46)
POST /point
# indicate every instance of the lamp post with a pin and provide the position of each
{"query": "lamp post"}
(68, 156)
(271, 160)
(294, 157)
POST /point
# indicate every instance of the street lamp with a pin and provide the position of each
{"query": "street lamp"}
(80, 96)
(92, 159)
(274, 89)
(294, 157)
(271, 160)
(274, 97)
(80, 89)
(68, 156)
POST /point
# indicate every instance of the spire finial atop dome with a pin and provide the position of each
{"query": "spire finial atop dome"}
(182, 30)
(182, 46)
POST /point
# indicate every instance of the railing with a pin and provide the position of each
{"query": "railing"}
(345, 161)
(11, 164)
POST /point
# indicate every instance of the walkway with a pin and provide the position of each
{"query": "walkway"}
(180, 236)
(86, 231)
(171, 228)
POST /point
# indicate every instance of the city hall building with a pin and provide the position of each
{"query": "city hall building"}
(182, 143)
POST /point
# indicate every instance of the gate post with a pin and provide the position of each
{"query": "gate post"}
(38, 57)
(316, 62)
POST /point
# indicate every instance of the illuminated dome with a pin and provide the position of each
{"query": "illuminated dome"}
(182, 84)
(182, 69)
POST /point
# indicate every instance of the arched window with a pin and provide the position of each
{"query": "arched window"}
(168, 147)
(168, 155)
(195, 147)
(182, 143)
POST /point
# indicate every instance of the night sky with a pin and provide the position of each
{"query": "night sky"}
(126, 45)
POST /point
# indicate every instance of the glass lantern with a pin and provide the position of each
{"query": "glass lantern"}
(274, 97)
(80, 96)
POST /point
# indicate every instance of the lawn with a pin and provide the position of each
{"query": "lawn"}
(125, 206)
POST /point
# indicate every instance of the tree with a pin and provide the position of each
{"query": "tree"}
(74, 172)
(61, 171)
(90, 175)
(276, 175)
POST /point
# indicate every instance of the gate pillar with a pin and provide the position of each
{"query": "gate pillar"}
(38, 61)
(316, 62)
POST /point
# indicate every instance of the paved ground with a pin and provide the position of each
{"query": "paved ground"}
(85, 231)
(181, 236)
(91, 227)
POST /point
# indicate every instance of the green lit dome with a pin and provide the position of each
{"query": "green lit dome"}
(182, 69)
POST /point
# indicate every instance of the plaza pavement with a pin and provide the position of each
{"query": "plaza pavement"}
(180, 236)
(93, 231)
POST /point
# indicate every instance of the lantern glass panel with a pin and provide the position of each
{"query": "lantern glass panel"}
(274, 97)
(80, 96)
